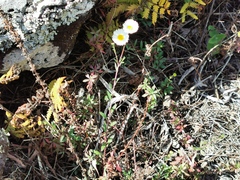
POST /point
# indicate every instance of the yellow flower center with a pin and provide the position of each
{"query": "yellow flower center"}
(120, 37)
(130, 27)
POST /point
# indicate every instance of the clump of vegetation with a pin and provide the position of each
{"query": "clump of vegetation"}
(189, 4)
(135, 106)
(215, 38)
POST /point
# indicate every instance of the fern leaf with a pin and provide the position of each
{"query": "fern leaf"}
(26, 123)
(167, 5)
(155, 14)
(55, 89)
(184, 7)
(161, 2)
(49, 113)
(162, 11)
(8, 114)
(193, 5)
(11, 75)
(132, 8)
(109, 30)
(184, 10)
(157, 7)
(200, 2)
(146, 11)
(169, 12)
(184, 17)
(190, 13)
(114, 12)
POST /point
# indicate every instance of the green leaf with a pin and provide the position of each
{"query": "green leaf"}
(104, 126)
(212, 31)
(77, 138)
(113, 123)
(97, 153)
(216, 39)
(110, 139)
(104, 145)
(103, 115)
(63, 139)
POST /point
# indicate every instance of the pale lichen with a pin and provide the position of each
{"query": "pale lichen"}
(4, 146)
(37, 20)
(37, 23)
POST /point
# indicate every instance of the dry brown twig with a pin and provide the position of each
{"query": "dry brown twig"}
(205, 27)
(34, 101)
(136, 131)
(19, 161)
(40, 93)
(9, 27)
(149, 46)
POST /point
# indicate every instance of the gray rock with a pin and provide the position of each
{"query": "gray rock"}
(8, 6)
(4, 146)
(47, 27)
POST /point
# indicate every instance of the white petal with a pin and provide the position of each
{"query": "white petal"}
(130, 26)
(120, 37)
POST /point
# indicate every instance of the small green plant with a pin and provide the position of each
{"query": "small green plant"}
(107, 143)
(150, 92)
(128, 174)
(164, 171)
(166, 85)
(215, 38)
(139, 45)
(159, 60)
(86, 105)
(74, 137)
(92, 157)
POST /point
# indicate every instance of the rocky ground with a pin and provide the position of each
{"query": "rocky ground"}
(173, 115)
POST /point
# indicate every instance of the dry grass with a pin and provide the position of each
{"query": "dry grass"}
(192, 133)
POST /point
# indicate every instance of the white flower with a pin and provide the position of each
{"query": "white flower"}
(130, 26)
(120, 37)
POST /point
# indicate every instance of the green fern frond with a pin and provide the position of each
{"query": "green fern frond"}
(155, 8)
(55, 87)
(11, 75)
(193, 5)
(116, 11)
(155, 14)
(146, 10)
(158, 9)
(133, 8)
(49, 113)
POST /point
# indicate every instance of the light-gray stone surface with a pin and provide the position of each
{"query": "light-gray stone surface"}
(40, 23)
